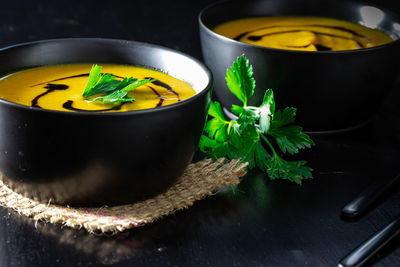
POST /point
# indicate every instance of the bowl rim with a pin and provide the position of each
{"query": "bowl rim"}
(289, 51)
(176, 105)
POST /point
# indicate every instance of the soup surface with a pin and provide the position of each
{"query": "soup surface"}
(302, 33)
(60, 87)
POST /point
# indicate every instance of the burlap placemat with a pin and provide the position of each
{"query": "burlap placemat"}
(198, 181)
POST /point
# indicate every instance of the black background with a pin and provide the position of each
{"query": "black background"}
(262, 222)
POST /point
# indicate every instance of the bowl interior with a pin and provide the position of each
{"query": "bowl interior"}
(87, 50)
(361, 13)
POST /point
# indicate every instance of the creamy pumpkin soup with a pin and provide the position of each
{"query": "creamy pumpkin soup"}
(60, 88)
(302, 33)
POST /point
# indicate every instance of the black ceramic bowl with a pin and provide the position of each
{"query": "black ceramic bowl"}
(333, 90)
(83, 158)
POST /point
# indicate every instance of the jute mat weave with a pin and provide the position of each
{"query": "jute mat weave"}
(198, 181)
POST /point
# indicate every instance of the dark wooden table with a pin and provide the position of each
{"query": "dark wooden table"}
(260, 223)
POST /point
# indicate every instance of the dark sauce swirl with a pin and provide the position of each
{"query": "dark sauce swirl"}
(256, 38)
(71, 77)
(166, 86)
(161, 99)
(240, 36)
(64, 78)
(68, 105)
(51, 87)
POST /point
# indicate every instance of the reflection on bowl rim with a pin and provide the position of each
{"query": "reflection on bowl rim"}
(117, 113)
(235, 42)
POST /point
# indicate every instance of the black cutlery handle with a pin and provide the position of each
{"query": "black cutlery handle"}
(372, 245)
(368, 196)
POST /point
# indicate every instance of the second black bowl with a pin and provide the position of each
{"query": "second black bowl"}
(333, 90)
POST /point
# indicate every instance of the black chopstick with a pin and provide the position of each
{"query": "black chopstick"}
(368, 197)
(371, 246)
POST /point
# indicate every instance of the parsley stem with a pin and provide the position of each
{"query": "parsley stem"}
(268, 143)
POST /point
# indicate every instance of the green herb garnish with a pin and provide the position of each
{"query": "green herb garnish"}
(244, 137)
(106, 89)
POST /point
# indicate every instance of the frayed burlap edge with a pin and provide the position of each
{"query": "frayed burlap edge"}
(198, 181)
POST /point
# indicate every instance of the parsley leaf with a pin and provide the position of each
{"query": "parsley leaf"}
(217, 127)
(250, 136)
(94, 77)
(106, 89)
(116, 97)
(267, 109)
(291, 138)
(239, 79)
(287, 116)
(293, 170)
(213, 147)
(262, 156)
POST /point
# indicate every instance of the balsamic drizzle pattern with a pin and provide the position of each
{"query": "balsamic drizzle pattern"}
(51, 87)
(166, 86)
(256, 38)
(69, 103)
(73, 76)
(161, 101)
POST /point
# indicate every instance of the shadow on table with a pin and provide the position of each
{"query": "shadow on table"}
(218, 208)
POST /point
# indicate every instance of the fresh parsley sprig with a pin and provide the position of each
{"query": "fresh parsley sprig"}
(252, 136)
(106, 89)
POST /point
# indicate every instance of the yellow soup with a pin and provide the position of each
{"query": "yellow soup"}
(302, 33)
(60, 88)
